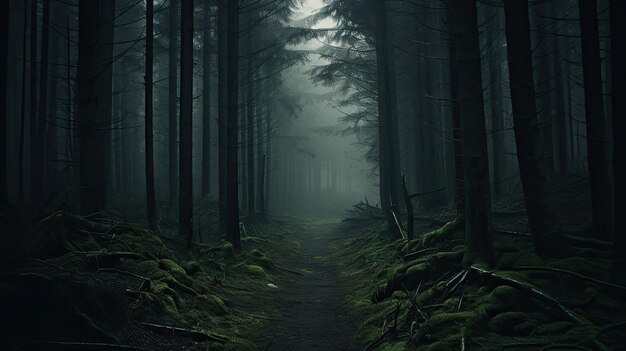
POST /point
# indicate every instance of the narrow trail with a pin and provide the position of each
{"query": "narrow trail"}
(314, 309)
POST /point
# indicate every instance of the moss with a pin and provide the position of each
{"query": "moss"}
(259, 259)
(228, 251)
(507, 295)
(553, 328)
(527, 258)
(511, 323)
(443, 232)
(255, 270)
(215, 305)
(176, 271)
(192, 267)
(445, 319)
(164, 288)
(507, 260)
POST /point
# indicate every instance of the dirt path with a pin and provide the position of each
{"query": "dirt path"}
(314, 309)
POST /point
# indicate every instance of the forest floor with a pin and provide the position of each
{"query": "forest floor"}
(100, 282)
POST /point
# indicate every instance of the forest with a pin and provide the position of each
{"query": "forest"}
(312, 175)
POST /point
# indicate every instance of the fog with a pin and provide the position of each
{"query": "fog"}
(314, 145)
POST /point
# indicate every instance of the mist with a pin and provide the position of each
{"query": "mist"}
(312, 175)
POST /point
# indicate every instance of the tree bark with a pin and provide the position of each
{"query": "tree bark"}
(232, 228)
(149, 134)
(20, 153)
(104, 118)
(471, 108)
(32, 111)
(222, 122)
(250, 130)
(172, 103)
(186, 113)
(597, 147)
(206, 101)
(618, 102)
(88, 34)
(4, 55)
(546, 234)
(457, 135)
(387, 117)
(495, 92)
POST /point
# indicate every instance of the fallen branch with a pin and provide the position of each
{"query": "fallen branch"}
(378, 340)
(195, 335)
(530, 290)
(398, 227)
(81, 346)
(574, 274)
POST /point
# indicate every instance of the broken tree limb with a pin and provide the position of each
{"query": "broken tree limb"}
(397, 224)
(195, 335)
(426, 192)
(574, 274)
(79, 346)
(530, 290)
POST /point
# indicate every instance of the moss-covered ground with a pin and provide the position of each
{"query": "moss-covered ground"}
(99, 283)
(420, 295)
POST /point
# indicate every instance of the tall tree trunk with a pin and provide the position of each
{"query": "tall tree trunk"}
(4, 55)
(206, 100)
(20, 153)
(260, 158)
(597, 148)
(250, 132)
(618, 102)
(222, 118)
(561, 124)
(186, 114)
(51, 138)
(232, 228)
(149, 138)
(88, 34)
(32, 111)
(268, 155)
(387, 117)
(104, 117)
(173, 121)
(546, 234)
(457, 134)
(38, 144)
(495, 91)
(471, 108)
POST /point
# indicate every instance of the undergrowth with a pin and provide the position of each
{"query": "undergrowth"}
(419, 295)
(68, 279)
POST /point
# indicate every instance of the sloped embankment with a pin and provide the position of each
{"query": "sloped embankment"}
(93, 283)
(419, 295)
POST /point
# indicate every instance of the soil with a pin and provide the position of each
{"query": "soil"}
(314, 305)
